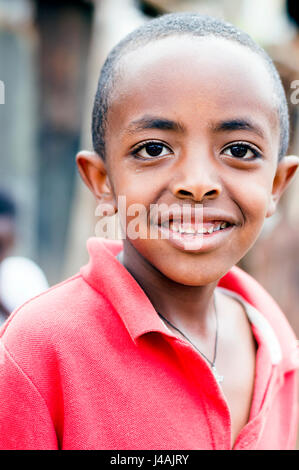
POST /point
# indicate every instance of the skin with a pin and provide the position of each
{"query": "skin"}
(197, 83)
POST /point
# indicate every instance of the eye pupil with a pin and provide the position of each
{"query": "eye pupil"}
(238, 151)
(154, 149)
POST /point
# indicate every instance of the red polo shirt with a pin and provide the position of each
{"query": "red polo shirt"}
(90, 365)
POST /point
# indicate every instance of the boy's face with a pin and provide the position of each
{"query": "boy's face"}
(217, 145)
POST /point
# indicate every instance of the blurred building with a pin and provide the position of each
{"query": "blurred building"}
(43, 55)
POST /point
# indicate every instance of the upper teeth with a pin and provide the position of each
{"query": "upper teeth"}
(178, 228)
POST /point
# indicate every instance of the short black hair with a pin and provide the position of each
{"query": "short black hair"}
(175, 24)
(7, 206)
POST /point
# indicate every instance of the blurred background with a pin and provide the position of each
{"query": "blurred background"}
(51, 52)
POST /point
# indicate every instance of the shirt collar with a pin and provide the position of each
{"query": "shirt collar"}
(110, 278)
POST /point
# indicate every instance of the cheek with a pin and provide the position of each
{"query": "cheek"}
(253, 201)
(135, 188)
(255, 204)
(133, 199)
(251, 191)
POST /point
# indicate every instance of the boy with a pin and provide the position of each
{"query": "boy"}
(161, 342)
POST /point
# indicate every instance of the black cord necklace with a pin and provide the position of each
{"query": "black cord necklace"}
(219, 378)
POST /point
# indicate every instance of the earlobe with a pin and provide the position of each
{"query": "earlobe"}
(94, 174)
(86, 163)
(271, 207)
(285, 171)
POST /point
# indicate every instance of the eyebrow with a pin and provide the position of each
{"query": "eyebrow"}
(153, 122)
(238, 125)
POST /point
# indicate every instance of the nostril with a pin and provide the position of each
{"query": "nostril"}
(211, 193)
(185, 193)
(208, 194)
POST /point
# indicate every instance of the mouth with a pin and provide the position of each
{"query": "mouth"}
(196, 238)
(195, 229)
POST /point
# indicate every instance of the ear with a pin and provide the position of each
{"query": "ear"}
(94, 174)
(285, 171)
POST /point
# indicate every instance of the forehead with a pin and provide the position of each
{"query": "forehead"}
(194, 75)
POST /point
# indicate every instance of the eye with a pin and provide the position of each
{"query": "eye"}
(150, 150)
(242, 151)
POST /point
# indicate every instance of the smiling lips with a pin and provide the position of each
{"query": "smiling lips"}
(187, 220)
(195, 229)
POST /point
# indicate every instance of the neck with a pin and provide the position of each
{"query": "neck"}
(188, 307)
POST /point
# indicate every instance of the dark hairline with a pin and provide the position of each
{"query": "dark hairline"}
(204, 27)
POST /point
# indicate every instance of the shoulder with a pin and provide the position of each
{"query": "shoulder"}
(58, 317)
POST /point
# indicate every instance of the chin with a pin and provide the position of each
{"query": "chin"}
(194, 278)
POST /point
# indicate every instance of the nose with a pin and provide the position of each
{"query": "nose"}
(197, 178)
